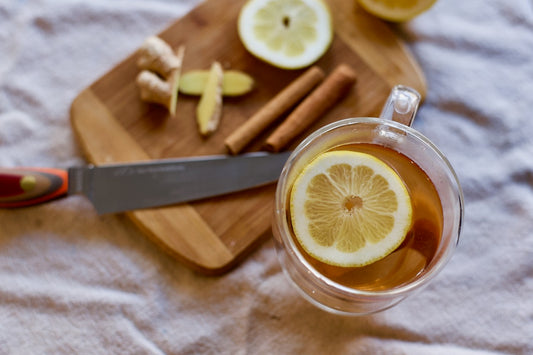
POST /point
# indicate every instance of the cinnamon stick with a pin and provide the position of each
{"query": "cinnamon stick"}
(276, 107)
(336, 85)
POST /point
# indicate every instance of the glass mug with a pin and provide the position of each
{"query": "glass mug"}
(436, 198)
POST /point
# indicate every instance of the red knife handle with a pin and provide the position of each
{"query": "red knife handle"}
(21, 187)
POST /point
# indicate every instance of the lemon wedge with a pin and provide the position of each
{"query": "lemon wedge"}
(396, 10)
(288, 34)
(349, 209)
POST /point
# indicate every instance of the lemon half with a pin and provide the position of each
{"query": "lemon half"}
(396, 10)
(349, 209)
(288, 34)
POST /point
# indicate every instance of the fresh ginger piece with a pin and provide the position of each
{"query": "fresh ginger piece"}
(209, 108)
(156, 90)
(174, 80)
(156, 55)
(234, 83)
(193, 82)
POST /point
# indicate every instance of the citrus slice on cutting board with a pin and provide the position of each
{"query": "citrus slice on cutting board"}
(288, 34)
(396, 10)
(349, 209)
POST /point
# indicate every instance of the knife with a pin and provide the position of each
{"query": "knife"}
(123, 187)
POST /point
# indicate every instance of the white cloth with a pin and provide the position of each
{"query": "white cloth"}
(75, 283)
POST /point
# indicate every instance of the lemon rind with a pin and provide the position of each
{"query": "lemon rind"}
(395, 16)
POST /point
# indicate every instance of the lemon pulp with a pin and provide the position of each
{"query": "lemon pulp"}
(289, 34)
(349, 209)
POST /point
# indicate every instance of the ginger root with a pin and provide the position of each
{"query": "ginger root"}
(157, 56)
(155, 90)
(234, 82)
(161, 68)
(209, 108)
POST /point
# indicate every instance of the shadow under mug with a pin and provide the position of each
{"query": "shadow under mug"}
(386, 131)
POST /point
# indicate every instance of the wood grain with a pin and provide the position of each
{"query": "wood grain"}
(113, 125)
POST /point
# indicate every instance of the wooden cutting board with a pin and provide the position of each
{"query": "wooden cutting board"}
(113, 125)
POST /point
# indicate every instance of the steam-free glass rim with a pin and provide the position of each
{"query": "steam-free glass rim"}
(282, 224)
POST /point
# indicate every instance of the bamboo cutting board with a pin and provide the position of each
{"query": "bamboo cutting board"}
(113, 125)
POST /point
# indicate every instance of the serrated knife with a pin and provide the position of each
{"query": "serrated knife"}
(122, 187)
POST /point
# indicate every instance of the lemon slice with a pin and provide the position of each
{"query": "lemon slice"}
(349, 209)
(396, 10)
(288, 34)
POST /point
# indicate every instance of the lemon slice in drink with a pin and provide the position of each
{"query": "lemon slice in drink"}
(349, 209)
(288, 34)
(396, 10)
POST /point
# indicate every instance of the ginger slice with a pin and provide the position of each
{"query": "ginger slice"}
(174, 80)
(234, 83)
(209, 108)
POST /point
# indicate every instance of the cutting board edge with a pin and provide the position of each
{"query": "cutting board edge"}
(204, 261)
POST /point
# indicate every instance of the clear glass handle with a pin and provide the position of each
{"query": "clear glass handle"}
(401, 106)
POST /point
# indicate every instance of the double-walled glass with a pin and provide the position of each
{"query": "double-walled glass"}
(323, 291)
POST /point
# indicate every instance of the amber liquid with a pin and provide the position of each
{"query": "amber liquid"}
(413, 256)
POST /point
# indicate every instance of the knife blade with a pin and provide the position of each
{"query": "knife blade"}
(123, 187)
